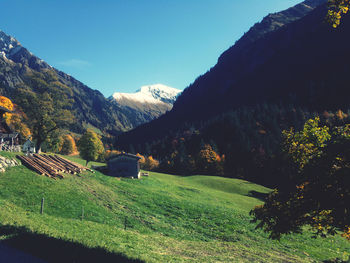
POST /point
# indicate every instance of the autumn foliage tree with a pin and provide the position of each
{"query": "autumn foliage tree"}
(90, 146)
(15, 120)
(208, 161)
(151, 164)
(319, 195)
(148, 163)
(6, 103)
(68, 145)
(336, 9)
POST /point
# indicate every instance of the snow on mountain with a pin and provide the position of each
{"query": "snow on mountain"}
(148, 103)
(8, 45)
(153, 94)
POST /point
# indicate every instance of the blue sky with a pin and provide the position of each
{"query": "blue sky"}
(120, 45)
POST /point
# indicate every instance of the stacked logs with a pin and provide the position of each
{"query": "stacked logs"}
(51, 165)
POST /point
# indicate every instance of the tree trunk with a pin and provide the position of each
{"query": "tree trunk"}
(38, 146)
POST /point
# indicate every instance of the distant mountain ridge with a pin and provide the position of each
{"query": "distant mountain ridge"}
(152, 93)
(273, 22)
(90, 107)
(149, 102)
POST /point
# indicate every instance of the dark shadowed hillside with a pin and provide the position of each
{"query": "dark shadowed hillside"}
(290, 57)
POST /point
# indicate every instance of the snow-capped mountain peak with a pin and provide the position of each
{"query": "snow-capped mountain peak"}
(148, 102)
(154, 94)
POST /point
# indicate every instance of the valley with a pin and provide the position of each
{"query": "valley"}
(249, 163)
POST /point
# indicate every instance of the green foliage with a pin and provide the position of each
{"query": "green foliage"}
(53, 142)
(48, 109)
(320, 195)
(90, 146)
(307, 144)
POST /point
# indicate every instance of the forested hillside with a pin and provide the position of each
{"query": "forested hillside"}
(259, 87)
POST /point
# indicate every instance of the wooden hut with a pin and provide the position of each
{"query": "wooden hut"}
(124, 165)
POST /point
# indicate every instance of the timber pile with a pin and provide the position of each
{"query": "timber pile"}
(51, 165)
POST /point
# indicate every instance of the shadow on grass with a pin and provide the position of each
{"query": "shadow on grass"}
(55, 250)
(258, 195)
(337, 260)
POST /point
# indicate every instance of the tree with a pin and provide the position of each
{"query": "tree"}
(208, 161)
(306, 144)
(151, 164)
(337, 8)
(53, 142)
(48, 108)
(319, 195)
(16, 119)
(90, 146)
(68, 145)
(148, 163)
(6, 103)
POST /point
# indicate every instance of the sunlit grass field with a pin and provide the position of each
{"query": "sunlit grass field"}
(160, 218)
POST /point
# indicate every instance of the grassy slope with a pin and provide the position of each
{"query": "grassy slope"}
(167, 218)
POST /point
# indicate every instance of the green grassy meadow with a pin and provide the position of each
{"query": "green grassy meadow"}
(160, 218)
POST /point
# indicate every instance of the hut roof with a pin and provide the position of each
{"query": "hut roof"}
(133, 156)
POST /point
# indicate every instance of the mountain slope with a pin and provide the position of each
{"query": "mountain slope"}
(18, 69)
(160, 218)
(273, 22)
(149, 102)
(300, 63)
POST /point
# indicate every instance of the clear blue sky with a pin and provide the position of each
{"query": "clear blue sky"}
(120, 45)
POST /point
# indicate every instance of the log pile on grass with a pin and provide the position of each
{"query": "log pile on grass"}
(52, 166)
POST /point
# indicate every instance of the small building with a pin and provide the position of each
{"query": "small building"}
(124, 165)
(28, 146)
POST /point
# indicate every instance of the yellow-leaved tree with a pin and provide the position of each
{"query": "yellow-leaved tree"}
(68, 145)
(336, 9)
(148, 163)
(16, 119)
